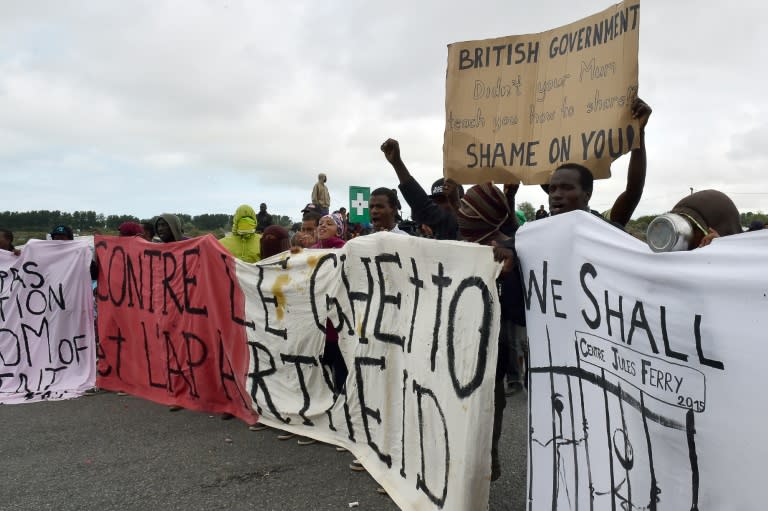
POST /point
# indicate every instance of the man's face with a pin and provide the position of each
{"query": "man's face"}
(382, 214)
(5, 243)
(565, 192)
(451, 190)
(164, 231)
(60, 237)
(308, 233)
(262, 207)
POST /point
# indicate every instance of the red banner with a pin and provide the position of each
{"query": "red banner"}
(169, 324)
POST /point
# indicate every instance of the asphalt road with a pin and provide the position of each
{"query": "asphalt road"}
(110, 452)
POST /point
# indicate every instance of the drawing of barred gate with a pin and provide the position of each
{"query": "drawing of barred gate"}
(603, 439)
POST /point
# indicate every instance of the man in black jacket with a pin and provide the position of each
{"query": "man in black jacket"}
(438, 210)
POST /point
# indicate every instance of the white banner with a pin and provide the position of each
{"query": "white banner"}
(418, 330)
(645, 369)
(47, 341)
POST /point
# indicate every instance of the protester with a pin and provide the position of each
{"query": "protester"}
(621, 211)
(148, 227)
(62, 233)
(438, 210)
(320, 196)
(384, 208)
(263, 219)
(130, 229)
(541, 213)
(756, 225)
(694, 222)
(570, 189)
(245, 242)
(168, 228)
(274, 240)
(484, 217)
(6, 242)
(330, 231)
(307, 236)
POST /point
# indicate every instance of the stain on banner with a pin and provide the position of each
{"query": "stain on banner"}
(47, 341)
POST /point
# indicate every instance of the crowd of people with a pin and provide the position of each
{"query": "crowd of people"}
(483, 214)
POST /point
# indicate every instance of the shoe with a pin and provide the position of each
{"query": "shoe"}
(121, 393)
(306, 441)
(227, 416)
(285, 436)
(341, 449)
(175, 408)
(381, 491)
(356, 466)
(257, 427)
(91, 392)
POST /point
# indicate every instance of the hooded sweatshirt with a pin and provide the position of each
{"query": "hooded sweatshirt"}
(244, 245)
(174, 223)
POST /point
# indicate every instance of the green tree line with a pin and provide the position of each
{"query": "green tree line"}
(44, 220)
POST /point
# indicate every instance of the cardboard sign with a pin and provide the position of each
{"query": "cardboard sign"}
(518, 107)
(643, 369)
(47, 340)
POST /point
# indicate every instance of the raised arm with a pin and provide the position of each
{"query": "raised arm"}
(628, 200)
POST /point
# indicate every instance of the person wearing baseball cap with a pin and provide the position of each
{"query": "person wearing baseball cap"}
(437, 210)
(62, 233)
(311, 208)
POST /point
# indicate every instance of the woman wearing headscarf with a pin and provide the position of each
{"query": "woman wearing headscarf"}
(274, 240)
(330, 230)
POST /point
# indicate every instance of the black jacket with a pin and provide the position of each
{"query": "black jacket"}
(426, 211)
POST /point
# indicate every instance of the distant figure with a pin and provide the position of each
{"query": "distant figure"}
(6, 242)
(756, 225)
(130, 229)
(245, 242)
(320, 196)
(541, 213)
(62, 233)
(263, 218)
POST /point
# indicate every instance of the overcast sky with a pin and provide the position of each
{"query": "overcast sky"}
(141, 107)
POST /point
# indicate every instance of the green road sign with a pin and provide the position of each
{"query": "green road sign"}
(358, 204)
